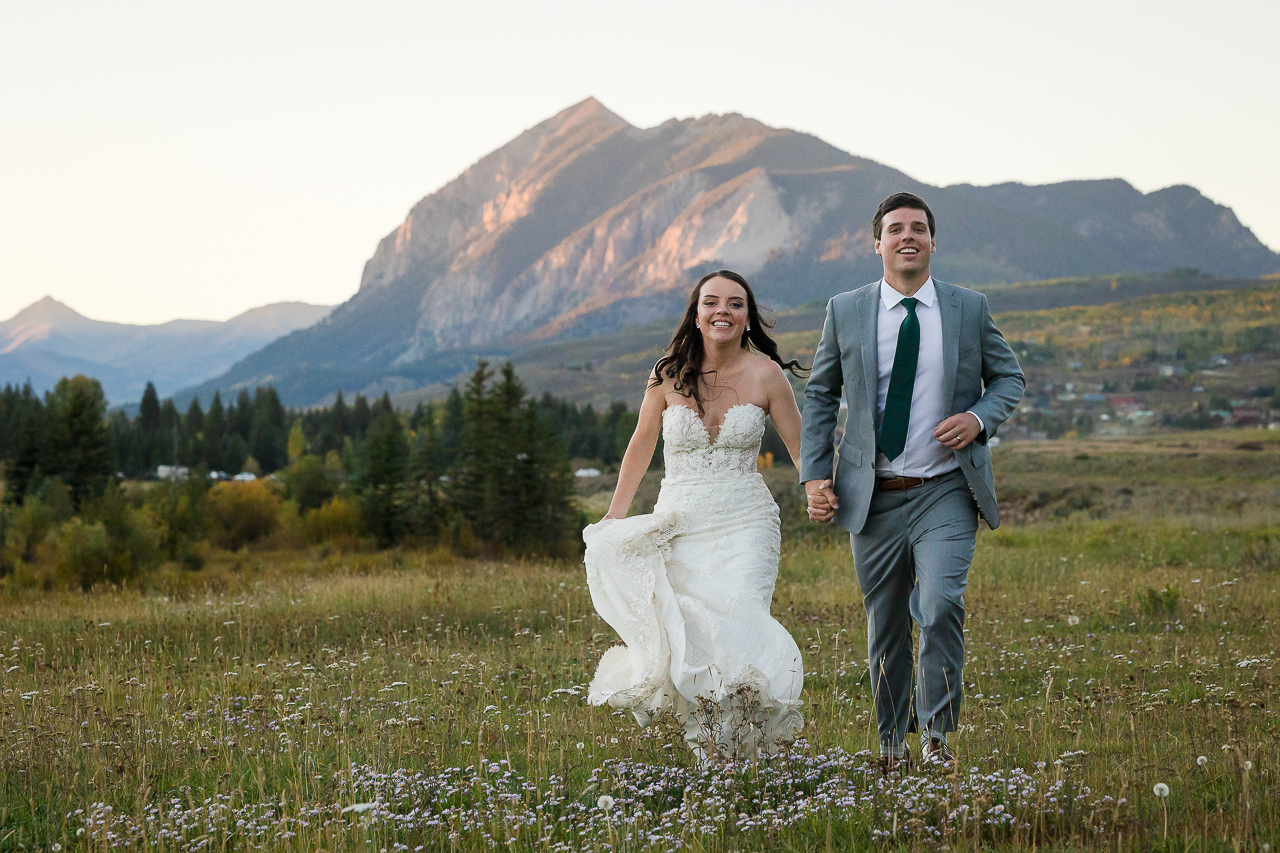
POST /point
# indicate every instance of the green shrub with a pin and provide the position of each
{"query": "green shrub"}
(26, 527)
(340, 522)
(133, 542)
(308, 482)
(243, 512)
(180, 509)
(84, 552)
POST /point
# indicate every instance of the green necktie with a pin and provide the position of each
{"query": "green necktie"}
(902, 383)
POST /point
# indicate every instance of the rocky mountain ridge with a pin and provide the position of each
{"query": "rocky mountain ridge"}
(585, 224)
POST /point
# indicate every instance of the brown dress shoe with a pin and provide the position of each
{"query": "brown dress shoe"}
(937, 753)
(889, 764)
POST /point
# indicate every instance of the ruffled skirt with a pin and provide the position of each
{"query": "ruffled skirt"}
(688, 589)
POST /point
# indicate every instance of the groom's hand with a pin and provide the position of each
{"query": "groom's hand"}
(821, 499)
(957, 431)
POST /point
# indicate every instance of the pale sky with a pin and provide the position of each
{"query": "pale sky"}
(162, 160)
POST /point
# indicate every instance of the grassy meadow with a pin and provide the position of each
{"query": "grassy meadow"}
(1122, 634)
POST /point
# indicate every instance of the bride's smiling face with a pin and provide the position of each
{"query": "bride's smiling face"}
(722, 311)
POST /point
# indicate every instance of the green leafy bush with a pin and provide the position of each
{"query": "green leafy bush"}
(243, 512)
(84, 552)
(308, 482)
(340, 523)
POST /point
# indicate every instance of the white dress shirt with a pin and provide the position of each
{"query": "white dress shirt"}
(924, 455)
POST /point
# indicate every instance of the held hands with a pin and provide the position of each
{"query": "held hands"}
(822, 500)
(957, 431)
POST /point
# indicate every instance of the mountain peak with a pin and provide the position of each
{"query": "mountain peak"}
(587, 111)
(44, 309)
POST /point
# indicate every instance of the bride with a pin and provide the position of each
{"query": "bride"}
(688, 588)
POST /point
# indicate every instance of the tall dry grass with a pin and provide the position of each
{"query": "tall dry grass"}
(246, 705)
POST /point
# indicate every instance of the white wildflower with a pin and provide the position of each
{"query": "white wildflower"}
(605, 802)
(1073, 620)
(1161, 789)
(1202, 760)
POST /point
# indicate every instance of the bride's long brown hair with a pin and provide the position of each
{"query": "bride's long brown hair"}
(683, 361)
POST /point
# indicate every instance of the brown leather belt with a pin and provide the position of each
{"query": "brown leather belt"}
(897, 484)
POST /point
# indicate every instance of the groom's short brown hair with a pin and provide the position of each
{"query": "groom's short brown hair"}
(896, 201)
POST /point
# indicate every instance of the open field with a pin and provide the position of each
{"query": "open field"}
(1122, 633)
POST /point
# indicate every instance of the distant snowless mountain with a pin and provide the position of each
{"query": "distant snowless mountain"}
(585, 224)
(48, 340)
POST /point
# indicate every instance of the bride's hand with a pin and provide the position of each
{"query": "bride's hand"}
(821, 499)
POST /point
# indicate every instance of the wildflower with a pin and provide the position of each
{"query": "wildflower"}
(1202, 761)
(79, 832)
(1248, 765)
(1161, 789)
(605, 802)
(1073, 620)
(359, 808)
(55, 847)
(581, 745)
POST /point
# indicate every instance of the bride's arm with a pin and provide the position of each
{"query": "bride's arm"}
(640, 450)
(783, 411)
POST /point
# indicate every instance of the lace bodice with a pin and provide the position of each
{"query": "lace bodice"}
(690, 453)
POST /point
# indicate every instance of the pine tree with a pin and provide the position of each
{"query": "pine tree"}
(169, 434)
(22, 469)
(149, 441)
(76, 441)
(471, 482)
(422, 483)
(360, 418)
(451, 428)
(242, 416)
(193, 435)
(215, 430)
(386, 454)
(268, 435)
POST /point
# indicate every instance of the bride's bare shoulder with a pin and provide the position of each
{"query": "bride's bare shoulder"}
(763, 367)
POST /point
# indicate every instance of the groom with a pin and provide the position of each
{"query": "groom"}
(928, 379)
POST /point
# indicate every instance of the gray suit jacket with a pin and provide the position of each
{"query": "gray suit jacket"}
(981, 374)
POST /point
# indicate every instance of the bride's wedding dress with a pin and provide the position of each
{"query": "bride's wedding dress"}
(688, 590)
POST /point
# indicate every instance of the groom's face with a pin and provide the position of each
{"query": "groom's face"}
(905, 243)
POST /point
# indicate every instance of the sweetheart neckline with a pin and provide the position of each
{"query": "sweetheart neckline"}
(713, 442)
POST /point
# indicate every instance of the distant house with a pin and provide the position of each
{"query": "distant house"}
(587, 472)
(245, 477)
(1246, 417)
(1125, 406)
(172, 472)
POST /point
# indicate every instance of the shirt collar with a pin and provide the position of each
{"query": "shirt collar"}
(890, 298)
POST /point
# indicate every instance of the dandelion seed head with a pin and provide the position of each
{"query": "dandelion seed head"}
(605, 802)
(1202, 760)
(1161, 789)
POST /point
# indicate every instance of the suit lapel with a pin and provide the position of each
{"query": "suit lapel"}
(949, 306)
(868, 304)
